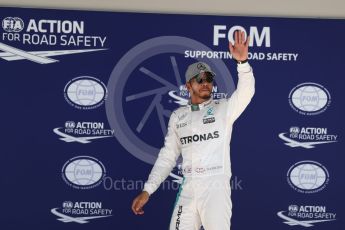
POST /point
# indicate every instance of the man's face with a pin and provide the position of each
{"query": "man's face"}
(200, 87)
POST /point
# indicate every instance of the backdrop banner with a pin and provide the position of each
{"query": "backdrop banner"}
(87, 98)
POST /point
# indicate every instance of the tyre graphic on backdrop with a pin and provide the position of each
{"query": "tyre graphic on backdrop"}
(147, 84)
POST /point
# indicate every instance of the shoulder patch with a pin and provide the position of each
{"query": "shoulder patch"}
(179, 109)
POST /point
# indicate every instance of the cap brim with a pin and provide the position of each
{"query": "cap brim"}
(211, 72)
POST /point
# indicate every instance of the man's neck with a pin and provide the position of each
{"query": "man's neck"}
(197, 101)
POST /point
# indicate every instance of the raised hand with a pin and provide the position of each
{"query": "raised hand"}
(239, 49)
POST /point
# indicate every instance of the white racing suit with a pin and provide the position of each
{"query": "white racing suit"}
(203, 138)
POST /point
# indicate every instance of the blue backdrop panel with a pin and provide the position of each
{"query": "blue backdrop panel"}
(87, 96)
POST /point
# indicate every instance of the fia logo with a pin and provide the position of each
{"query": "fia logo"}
(12, 24)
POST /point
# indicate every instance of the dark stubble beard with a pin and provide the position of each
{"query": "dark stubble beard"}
(206, 97)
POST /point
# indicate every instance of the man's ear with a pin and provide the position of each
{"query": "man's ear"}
(188, 85)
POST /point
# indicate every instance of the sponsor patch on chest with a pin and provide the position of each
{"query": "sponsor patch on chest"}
(209, 116)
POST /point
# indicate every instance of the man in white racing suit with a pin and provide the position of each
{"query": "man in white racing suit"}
(201, 132)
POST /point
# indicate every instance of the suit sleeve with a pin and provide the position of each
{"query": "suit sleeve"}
(167, 158)
(244, 92)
